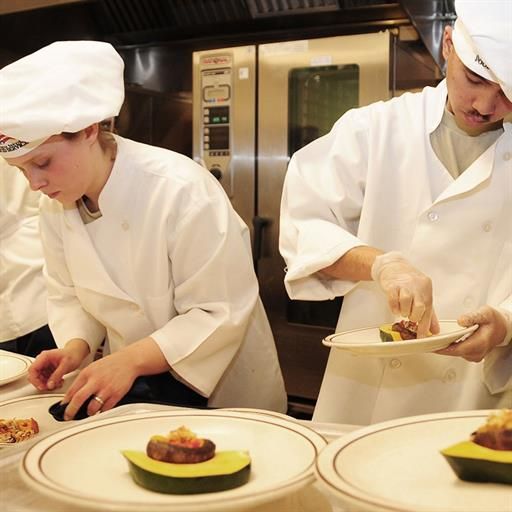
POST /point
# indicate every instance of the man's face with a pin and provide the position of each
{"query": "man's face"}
(59, 168)
(478, 105)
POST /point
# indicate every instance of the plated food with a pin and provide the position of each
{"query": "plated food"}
(368, 341)
(183, 463)
(487, 456)
(16, 430)
(399, 331)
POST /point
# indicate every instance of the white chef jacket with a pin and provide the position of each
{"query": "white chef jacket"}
(168, 259)
(375, 179)
(22, 285)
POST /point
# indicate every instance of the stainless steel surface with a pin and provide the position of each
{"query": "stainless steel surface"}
(302, 356)
(282, 95)
(226, 80)
(430, 17)
(163, 120)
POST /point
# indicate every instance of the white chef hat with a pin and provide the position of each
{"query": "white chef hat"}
(482, 38)
(63, 87)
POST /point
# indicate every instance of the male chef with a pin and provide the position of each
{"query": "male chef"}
(405, 209)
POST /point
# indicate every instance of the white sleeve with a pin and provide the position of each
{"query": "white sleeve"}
(322, 200)
(66, 317)
(215, 290)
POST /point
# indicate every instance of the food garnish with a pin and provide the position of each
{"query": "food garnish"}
(487, 456)
(399, 331)
(183, 463)
(17, 430)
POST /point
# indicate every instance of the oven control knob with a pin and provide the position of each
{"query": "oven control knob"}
(216, 172)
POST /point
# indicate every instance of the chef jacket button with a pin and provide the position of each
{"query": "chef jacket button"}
(433, 216)
(487, 227)
(507, 156)
(125, 225)
(395, 363)
(450, 375)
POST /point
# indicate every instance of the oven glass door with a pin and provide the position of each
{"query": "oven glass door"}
(317, 97)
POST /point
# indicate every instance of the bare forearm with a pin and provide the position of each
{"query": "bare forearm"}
(146, 356)
(78, 347)
(354, 265)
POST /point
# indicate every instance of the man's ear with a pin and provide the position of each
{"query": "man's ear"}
(447, 41)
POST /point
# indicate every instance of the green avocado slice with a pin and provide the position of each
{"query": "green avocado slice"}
(226, 470)
(475, 463)
(386, 333)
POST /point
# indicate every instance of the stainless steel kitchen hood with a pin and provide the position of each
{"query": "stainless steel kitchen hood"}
(136, 23)
(429, 18)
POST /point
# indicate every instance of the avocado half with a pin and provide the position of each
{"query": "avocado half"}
(475, 463)
(226, 470)
(386, 333)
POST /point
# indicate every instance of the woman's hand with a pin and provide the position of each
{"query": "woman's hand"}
(490, 333)
(111, 377)
(108, 379)
(50, 366)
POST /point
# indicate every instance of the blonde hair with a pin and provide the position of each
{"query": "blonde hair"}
(106, 138)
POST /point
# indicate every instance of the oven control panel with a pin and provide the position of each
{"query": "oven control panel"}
(216, 103)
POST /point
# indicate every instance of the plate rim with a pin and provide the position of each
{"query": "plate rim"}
(375, 503)
(27, 362)
(30, 397)
(57, 492)
(394, 347)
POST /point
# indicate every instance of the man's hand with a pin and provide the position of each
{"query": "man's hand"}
(408, 291)
(490, 333)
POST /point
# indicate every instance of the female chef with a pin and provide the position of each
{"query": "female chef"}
(142, 248)
(408, 213)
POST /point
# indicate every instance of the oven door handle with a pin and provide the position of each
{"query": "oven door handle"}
(258, 224)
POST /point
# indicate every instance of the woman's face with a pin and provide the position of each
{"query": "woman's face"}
(61, 168)
(478, 105)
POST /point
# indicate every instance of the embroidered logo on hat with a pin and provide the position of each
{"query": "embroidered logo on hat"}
(9, 144)
(479, 60)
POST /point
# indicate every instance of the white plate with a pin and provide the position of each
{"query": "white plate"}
(12, 367)
(396, 466)
(283, 455)
(367, 341)
(34, 406)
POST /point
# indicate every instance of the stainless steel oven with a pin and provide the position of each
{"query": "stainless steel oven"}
(253, 107)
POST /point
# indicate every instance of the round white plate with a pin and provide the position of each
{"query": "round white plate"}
(34, 406)
(397, 466)
(12, 367)
(367, 342)
(96, 476)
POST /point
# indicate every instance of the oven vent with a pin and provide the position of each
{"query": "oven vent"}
(129, 16)
(121, 16)
(264, 8)
(206, 12)
(267, 8)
